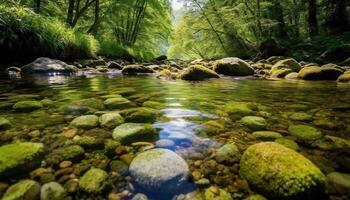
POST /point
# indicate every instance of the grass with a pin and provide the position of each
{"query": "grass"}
(25, 36)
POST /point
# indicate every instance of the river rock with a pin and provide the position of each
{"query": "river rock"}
(281, 173)
(159, 170)
(140, 115)
(237, 110)
(93, 181)
(288, 143)
(266, 135)
(255, 197)
(227, 153)
(18, 157)
(23, 190)
(289, 63)
(117, 103)
(4, 124)
(198, 73)
(320, 73)
(136, 69)
(338, 183)
(52, 191)
(233, 66)
(134, 132)
(345, 77)
(220, 194)
(119, 166)
(111, 120)
(85, 122)
(27, 106)
(47, 65)
(301, 116)
(114, 65)
(254, 123)
(304, 132)
(68, 153)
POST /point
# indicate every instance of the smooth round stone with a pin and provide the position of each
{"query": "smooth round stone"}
(254, 123)
(300, 116)
(93, 181)
(111, 120)
(288, 143)
(85, 122)
(304, 132)
(266, 135)
(228, 152)
(134, 132)
(140, 196)
(217, 194)
(165, 143)
(338, 182)
(25, 189)
(4, 123)
(119, 167)
(27, 106)
(117, 103)
(159, 170)
(52, 191)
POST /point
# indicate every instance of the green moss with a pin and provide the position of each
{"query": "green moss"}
(4, 124)
(288, 143)
(111, 120)
(27, 106)
(85, 122)
(140, 115)
(254, 123)
(320, 73)
(304, 132)
(233, 67)
(198, 72)
(72, 153)
(290, 64)
(117, 103)
(25, 189)
(153, 104)
(301, 116)
(134, 132)
(280, 73)
(236, 110)
(266, 135)
(93, 181)
(280, 173)
(17, 154)
(221, 195)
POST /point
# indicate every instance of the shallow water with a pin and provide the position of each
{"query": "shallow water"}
(186, 107)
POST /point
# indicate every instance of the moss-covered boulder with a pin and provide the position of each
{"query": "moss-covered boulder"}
(254, 123)
(266, 135)
(153, 104)
(93, 181)
(117, 103)
(4, 124)
(227, 153)
(237, 110)
(53, 191)
(304, 132)
(338, 183)
(111, 120)
(85, 122)
(289, 63)
(197, 73)
(280, 73)
(90, 104)
(320, 73)
(23, 190)
(27, 106)
(134, 132)
(140, 115)
(19, 157)
(292, 76)
(233, 66)
(332, 143)
(136, 69)
(278, 172)
(71, 153)
(301, 116)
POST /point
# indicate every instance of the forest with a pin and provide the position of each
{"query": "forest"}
(174, 99)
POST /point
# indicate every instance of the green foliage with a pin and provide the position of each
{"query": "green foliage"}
(26, 35)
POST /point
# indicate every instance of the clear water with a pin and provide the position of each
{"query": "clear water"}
(186, 107)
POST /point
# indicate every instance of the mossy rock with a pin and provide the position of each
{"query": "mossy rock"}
(288, 143)
(289, 63)
(237, 110)
(91, 103)
(301, 116)
(266, 135)
(332, 143)
(4, 124)
(227, 153)
(117, 103)
(153, 104)
(93, 181)
(140, 115)
(255, 197)
(85, 122)
(304, 132)
(292, 76)
(220, 195)
(23, 190)
(111, 120)
(197, 73)
(136, 69)
(320, 73)
(27, 106)
(254, 123)
(72, 153)
(86, 141)
(344, 78)
(280, 73)
(134, 132)
(18, 157)
(278, 172)
(233, 66)
(338, 183)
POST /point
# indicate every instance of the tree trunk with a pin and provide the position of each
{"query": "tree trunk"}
(37, 6)
(339, 20)
(312, 18)
(70, 12)
(96, 17)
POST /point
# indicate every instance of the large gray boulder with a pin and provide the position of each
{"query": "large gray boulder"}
(159, 170)
(47, 65)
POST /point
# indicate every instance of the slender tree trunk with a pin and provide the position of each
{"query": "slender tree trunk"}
(312, 18)
(93, 27)
(70, 12)
(37, 6)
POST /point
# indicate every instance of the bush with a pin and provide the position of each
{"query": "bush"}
(25, 36)
(113, 49)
